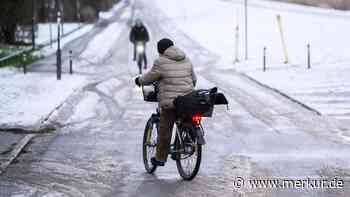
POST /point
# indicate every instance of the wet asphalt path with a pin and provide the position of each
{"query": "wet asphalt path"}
(98, 151)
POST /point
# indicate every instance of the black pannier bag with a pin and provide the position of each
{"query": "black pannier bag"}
(220, 99)
(196, 102)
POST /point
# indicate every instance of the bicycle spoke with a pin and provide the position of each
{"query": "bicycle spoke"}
(189, 162)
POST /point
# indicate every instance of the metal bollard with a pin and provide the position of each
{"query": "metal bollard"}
(264, 60)
(59, 65)
(71, 62)
(308, 56)
(24, 64)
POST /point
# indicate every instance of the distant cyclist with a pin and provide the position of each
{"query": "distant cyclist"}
(138, 34)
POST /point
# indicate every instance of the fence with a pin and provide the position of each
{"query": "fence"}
(14, 58)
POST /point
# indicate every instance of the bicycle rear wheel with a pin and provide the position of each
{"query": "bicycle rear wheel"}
(149, 145)
(188, 159)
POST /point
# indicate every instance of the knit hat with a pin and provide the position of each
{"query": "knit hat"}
(164, 44)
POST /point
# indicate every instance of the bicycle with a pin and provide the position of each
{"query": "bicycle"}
(186, 148)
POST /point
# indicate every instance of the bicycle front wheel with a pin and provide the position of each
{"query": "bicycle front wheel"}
(139, 64)
(149, 145)
(188, 157)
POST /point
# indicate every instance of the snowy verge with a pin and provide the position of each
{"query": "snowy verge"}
(325, 87)
(28, 101)
(276, 109)
(283, 94)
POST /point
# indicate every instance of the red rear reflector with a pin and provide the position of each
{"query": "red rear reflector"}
(197, 119)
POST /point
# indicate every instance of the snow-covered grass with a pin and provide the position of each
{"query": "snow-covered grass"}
(324, 87)
(5, 51)
(27, 99)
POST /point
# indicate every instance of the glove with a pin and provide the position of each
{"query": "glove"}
(137, 81)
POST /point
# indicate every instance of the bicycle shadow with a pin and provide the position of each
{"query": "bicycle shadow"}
(169, 183)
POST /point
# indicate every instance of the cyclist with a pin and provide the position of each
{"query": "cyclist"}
(175, 75)
(139, 33)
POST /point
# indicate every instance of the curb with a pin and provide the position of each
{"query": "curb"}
(282, 94)
(16, 151)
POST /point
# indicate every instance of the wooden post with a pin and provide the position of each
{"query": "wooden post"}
(285, 51)
(246, 28)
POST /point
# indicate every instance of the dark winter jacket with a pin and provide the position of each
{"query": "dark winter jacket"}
(139, 34)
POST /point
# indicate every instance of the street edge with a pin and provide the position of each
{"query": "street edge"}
(16, 151)
(282, 94)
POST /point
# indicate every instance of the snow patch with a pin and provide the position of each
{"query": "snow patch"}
(23, 102)
(100, 46)
(86, 108)
(109, 87)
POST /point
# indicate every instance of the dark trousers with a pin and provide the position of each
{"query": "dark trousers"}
(144, 55)
(167, 120)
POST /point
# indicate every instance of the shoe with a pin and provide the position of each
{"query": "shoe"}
(155, 162)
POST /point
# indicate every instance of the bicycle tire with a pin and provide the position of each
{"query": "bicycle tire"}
(150, 168)
(188, 176)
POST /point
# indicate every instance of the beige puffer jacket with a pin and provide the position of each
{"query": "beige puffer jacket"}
(174, 72)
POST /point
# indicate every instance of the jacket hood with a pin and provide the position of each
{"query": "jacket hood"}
(174, 53)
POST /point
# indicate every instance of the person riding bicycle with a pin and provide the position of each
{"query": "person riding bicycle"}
(139, 33)
(176, 77)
